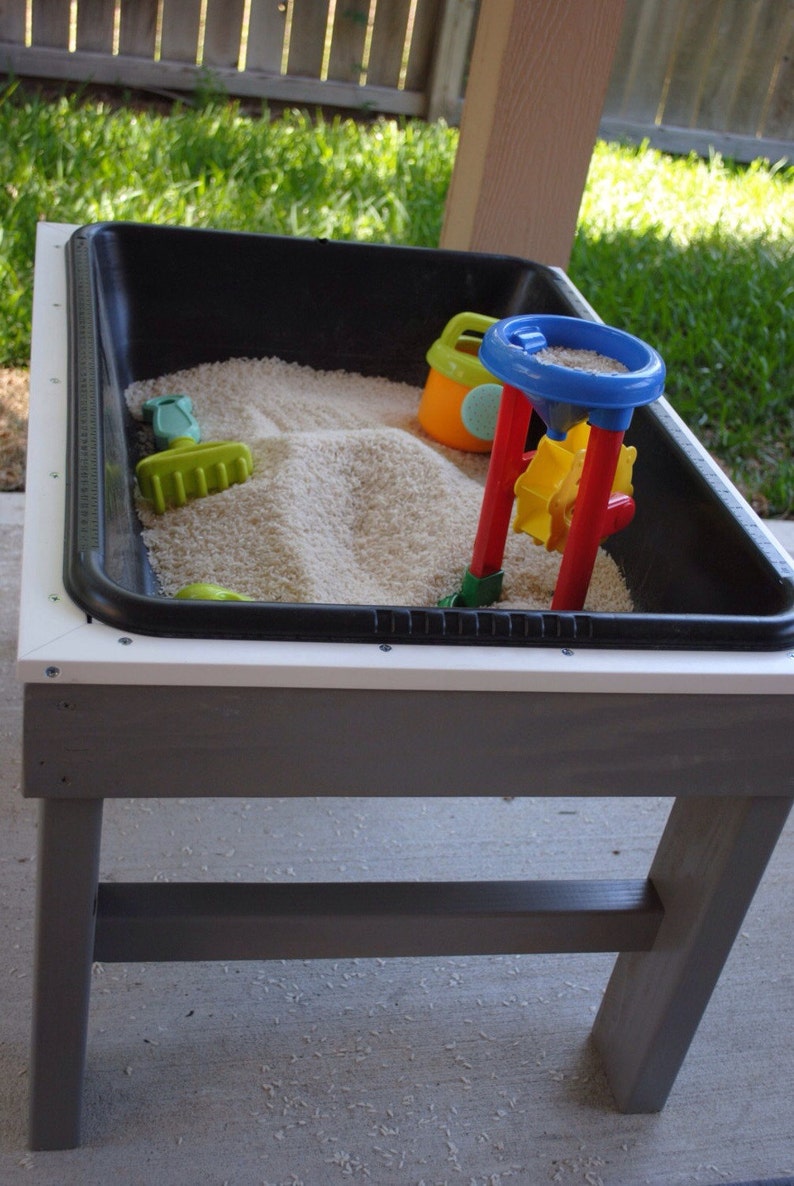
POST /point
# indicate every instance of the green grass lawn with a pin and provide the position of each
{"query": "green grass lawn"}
(696, 257)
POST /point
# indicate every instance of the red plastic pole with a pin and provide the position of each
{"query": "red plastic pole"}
(587, 524)
(507, 454)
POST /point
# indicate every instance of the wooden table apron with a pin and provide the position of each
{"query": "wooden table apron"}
(85, 741)
(725, 759)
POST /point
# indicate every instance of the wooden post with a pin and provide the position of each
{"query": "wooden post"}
(539, 75)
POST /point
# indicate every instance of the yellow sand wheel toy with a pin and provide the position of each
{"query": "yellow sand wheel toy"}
(546, 492)
(563, 396)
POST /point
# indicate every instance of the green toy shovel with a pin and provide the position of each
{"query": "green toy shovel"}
(186, 467)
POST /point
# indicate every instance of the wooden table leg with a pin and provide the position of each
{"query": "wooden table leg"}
(68, 865)
(710, 860)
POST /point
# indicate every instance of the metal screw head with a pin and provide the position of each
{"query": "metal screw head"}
(125, 642)
(52, 672)
(567, 651)
(384, 646)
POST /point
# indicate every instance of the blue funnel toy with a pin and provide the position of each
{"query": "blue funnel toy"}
(564, 395)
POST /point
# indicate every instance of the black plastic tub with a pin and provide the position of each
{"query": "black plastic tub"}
(146, 300)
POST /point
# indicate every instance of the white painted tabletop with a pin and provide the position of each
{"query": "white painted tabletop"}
(58, 643)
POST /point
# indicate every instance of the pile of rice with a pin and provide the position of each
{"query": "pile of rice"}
(350, 501)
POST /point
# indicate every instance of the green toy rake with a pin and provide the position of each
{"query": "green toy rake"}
(185, 466)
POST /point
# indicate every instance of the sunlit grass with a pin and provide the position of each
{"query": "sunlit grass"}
(643, 190)
(698, 258)
(695, 256)
(71, 162)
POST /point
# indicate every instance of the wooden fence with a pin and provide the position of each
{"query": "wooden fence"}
(688, 74)
(702, 74)
(404, 57)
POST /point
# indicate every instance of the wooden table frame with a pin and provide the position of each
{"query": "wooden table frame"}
(674, 929)
(711, 731)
